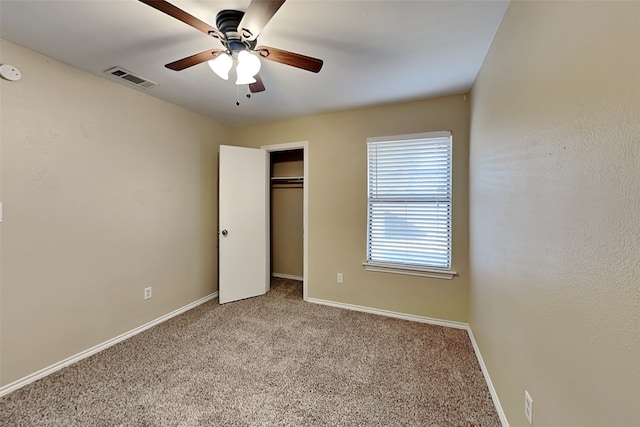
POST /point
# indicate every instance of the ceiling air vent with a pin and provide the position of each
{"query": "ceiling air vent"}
(123, 74)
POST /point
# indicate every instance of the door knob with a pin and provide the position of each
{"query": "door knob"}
(225, 232)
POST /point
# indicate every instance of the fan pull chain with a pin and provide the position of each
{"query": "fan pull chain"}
(238, 95)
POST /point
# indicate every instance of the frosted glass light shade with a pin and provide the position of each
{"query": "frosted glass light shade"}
(221, 65)
(244, 75)
(248, 66)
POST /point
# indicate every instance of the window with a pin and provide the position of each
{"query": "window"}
(409, 204)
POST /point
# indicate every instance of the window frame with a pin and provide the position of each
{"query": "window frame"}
(407, 268)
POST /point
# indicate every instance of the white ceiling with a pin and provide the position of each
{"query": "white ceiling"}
(374, 51)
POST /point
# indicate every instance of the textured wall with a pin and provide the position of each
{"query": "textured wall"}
(338, 203)
(555, 205)
(106, 191)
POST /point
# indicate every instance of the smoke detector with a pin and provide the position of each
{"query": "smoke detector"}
(9, 72)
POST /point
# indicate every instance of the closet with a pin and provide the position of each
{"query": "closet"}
(287, 183)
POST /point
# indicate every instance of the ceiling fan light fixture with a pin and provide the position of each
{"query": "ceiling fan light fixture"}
(249, 61)
(248, 66)
(243, 76)
(221, 65)
(238, 31)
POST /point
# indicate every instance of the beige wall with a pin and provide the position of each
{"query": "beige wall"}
(337, 203)
(106, 191)
(555, 205)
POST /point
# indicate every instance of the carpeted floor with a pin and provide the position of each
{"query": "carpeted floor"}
(268, 361)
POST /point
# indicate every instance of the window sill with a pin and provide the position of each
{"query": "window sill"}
(409, 270)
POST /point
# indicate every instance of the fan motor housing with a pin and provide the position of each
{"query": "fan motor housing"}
(227, 22)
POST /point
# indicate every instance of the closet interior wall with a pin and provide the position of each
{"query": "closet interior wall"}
(287, 170)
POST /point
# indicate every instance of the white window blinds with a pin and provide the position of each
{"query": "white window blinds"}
(409, 200)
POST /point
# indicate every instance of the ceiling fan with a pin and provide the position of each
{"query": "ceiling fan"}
(238, 32)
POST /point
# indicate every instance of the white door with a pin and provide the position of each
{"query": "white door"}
(243, 218)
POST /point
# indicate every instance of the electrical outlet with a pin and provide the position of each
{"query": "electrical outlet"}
(528, 407)
(340, 278)
(147, 292)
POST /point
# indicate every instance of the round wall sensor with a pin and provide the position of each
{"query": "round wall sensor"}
(9, 72)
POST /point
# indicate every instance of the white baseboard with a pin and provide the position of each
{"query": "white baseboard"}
(487, 378)
(287, 276)
(397, 315)
(432, 321)
(97, 348)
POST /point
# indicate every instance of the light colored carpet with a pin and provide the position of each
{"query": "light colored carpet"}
(268, 361)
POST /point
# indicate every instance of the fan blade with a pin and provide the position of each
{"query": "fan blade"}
(258, 14)
(192, 60)
(289, 58)
(258, 86)
(177, 13)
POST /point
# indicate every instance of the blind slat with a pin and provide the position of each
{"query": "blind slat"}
(409, 201)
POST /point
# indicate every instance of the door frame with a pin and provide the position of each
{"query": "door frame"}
(304, 145)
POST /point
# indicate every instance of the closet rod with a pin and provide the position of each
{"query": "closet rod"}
(287, 180)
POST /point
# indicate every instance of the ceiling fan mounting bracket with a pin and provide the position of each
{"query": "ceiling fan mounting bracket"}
(248, 35)
(262, 52)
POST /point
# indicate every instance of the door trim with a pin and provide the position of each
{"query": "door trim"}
(304, 145)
